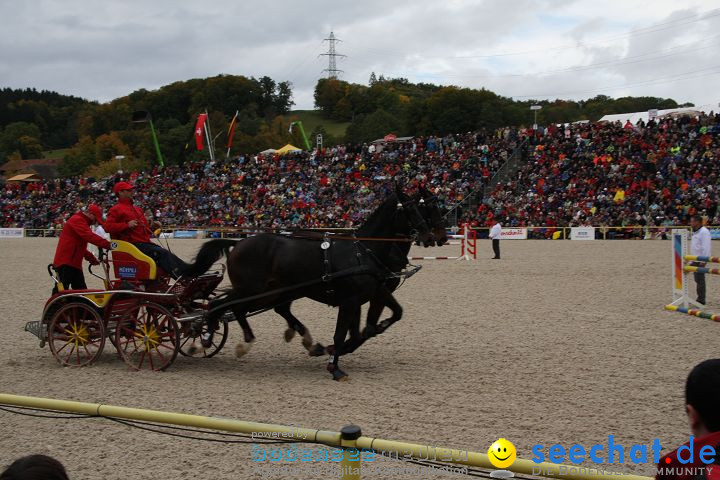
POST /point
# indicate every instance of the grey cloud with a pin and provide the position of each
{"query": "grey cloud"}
(80, 48)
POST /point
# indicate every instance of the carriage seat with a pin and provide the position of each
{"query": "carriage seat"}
(130, 264)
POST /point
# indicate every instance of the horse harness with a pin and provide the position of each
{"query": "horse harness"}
(361, 250)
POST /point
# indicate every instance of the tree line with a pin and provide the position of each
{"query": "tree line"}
(403, 108)
(32, 122)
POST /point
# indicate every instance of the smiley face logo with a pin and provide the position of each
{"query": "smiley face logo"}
(502, 453)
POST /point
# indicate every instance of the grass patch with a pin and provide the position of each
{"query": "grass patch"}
(312, 118)
(60, 153)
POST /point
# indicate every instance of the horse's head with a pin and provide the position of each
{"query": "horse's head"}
(430, 210)
(409, 209)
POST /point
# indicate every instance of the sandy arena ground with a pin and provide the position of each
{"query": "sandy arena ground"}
(559, 342)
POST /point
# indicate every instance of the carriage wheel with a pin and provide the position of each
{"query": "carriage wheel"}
(147, 337)
(191, 346)
(76, 335)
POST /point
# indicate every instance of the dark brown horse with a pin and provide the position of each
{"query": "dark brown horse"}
(397, 261)
(268, 270)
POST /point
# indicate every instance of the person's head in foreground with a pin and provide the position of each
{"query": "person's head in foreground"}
(694, 460)
(702, 398)
(35, 467)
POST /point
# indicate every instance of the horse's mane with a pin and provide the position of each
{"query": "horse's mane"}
(377, 220)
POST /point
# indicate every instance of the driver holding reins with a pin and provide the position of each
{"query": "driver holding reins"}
(72, 248)
(126, 221)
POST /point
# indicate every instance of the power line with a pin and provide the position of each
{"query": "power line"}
(639, 31)
(609, 63)
(656, 81)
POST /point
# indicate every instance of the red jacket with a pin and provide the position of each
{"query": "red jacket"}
(74, 238)
(670, 467)
(117, 222)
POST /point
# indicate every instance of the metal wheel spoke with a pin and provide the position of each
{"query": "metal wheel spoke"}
(66, 344)
(164, 358)
(69, 354)
(142, 358)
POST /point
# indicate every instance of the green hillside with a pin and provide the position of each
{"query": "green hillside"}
(313, 118)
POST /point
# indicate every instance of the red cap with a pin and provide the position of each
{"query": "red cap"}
(120, 186)
(96, 211)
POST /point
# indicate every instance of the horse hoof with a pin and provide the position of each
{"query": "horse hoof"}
(192, 350)
(242, 349)
(340, 376)
(368, 332)
(289, 334)
(206, 340)
(317, 350)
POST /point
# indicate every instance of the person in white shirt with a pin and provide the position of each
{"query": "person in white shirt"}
(100, 232)
(700, 246)
(495, 232)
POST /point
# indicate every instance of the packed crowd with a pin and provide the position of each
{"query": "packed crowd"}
(335, 187)
(609, 174)
(594, 174)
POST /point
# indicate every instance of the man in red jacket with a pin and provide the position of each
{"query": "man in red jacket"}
(126, 221)
(72, 248)
(694, 460)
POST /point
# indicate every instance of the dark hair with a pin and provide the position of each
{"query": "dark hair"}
(35, 467)
(702, 391)
(699, 218)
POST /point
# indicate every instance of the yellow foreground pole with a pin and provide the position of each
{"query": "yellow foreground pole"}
(265, 430)
(350, 438)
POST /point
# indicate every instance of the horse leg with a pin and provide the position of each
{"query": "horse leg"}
(295, 325)
(382, 298)
(377, 305)
(213, 319)
(356, 339)
(395, 308)
(344, 322)
(240, 314)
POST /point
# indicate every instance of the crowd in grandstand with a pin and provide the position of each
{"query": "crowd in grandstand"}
(609, 174)
(597, 174)
(335, 187)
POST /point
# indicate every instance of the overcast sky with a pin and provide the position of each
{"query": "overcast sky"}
(520, 48)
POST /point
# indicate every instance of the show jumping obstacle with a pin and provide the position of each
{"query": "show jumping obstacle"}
(468, 246)
(682, 301)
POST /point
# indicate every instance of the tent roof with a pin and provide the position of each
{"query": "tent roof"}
(25, 177)
(634, 117)
(269, 150)
(288, 148)
(397, 139)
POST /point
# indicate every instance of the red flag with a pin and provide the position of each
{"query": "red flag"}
(199, 130)
(231, 131)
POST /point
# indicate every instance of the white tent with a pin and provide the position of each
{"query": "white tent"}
(634, 117)
(269, 151)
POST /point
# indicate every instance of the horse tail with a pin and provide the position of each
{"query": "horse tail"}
(209, 253)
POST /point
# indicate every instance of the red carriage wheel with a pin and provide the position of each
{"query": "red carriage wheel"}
(76, 334)
(147, 337)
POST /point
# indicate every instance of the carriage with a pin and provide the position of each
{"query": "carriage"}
(145, 314)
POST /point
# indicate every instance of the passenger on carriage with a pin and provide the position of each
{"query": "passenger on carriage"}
(72, 248)
(126, 221)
